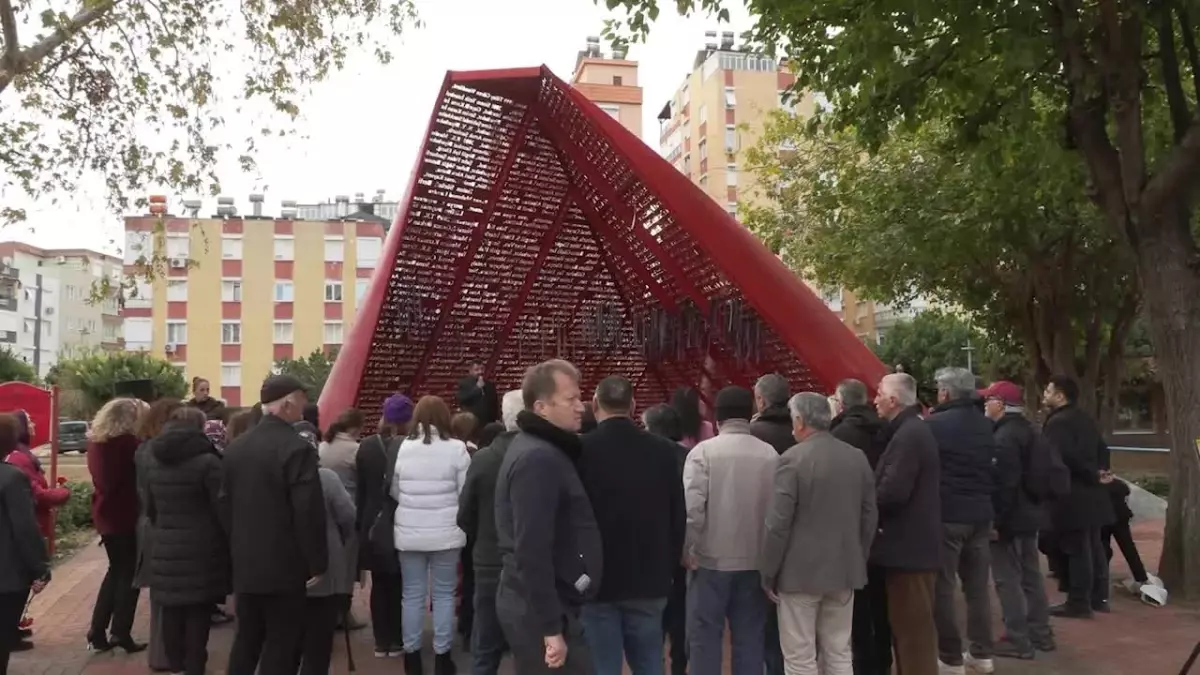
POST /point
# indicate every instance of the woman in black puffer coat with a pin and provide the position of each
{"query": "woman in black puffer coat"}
(188, 564)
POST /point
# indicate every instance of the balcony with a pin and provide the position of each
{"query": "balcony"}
(8, 337)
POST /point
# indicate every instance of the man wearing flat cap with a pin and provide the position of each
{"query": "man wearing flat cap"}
(271, 496)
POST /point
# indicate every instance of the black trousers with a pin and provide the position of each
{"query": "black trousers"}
(871, 639)
(320, 624)
(269, 630)
(1120, 531)
(675, 622)
(387, 592)
(117, 600)
(1086, 573)
(527, 644)
(185, 637)
(466, 593)
(11, 606)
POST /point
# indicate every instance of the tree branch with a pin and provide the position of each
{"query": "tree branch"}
(1172, 79)
(12, 44)
(1176, 175)
(1189, 45)
(32, 55)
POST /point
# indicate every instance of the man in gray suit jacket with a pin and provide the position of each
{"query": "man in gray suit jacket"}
(819, 530)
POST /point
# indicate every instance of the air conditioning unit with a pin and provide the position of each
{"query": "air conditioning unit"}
(49, 311)
(171, 347)
(61, 260)
(178, 263)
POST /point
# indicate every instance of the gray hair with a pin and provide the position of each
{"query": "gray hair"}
(812, 409)
(510, 406)
(956, 382)
(774, 389)
(901, 386)
(852, 393)
(539, 383)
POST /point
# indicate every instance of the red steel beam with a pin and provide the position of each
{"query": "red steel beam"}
(464, 267)
(565, 145)
(514, 312)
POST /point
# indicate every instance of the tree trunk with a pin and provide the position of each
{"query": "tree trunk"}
(1171, 292)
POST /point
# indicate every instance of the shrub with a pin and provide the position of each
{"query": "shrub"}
(76, 514)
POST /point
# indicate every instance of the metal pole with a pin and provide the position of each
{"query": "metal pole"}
(969, 350)
(37, 326)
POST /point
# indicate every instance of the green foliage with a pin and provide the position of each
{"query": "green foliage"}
(139, 91)
(76, 514)
(14, 369)
(93, 377)
(312, 370)
(934, 340)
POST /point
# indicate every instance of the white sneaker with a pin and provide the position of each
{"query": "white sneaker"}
(945, 669)
(1130, 584)
(985, 666)
(1153, 580)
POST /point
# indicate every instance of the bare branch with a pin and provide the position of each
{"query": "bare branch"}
(1176, 174)
(34, 54)
(12, 44)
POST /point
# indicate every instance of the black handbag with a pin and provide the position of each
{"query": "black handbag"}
(380, 535)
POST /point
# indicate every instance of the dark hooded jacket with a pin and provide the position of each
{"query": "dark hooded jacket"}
(967, 453)
(859, 426)
(773, 426)
(189, 561)
(1017, 511)
(477, 504)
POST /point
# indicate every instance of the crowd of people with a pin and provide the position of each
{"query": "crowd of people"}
(827, 534)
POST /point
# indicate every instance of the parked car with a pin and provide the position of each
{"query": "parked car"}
(72, 436)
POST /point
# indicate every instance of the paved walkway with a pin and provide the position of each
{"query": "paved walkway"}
(1135, 638)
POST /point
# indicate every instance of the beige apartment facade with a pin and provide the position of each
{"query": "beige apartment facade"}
(611, 82)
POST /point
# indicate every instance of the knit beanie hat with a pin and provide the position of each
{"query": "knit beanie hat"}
(397, 409)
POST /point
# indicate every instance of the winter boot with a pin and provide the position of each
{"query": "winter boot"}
(412, 663)
(444, 665)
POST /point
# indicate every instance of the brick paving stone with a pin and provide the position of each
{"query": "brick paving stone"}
(1135, 638)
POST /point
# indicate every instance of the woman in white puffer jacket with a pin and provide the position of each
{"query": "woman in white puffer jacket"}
(430, 470)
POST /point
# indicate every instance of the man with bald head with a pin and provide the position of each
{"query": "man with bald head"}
(908, 544)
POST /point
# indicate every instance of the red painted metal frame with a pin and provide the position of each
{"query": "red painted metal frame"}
(803, 330)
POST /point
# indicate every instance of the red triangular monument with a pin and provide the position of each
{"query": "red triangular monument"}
(536, 226)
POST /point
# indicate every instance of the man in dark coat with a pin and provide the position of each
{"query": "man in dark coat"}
(545, 528)
(477, 518)
(636, 490)
(477, 395)
(908, 544)
(966, 451)
(772, 424)
(858, 424)
(188, 565)
(272, 498)
(24, 564)
(662, 420)
(1078, 518)
(1016, 567)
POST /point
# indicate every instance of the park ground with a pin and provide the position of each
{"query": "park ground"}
(1134, 638)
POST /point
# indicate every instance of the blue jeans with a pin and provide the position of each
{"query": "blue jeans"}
(487, 637)
(420, 571)
(631, 629)
(714, 597)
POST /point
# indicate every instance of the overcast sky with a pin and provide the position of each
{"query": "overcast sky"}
(364, 125)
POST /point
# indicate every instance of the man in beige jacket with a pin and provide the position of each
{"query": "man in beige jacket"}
(819, 530)
(727, 487)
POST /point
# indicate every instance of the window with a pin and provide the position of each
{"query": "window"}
(177, 246)
(231, 290)
(177, 332)
(30, 325)
(177, 291)
(617, 80)
(333, 332)
(368, 250)
(285, 249)
(703, 113)
(137, 245)
(71, 292)
(360, 289)
(231, 333)
(231, 248)
(139, 295)
(731, 175)
(335, 250)
(333, 291)
(47, 327)
(284, 291)
(231, 374)
(284, 332)
(614, 111)
(731, 207)
(704, 180)
(139, 333)
(730, 138)
(703, 150)
(730, 98)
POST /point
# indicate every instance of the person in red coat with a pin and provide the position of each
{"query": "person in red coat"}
(111, 446)
(45, 498)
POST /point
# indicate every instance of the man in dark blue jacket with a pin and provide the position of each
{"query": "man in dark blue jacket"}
(966, 451)
(1016, 566)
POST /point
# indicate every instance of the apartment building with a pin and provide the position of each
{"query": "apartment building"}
(611, 83)
(47, 310)
(242, 291)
